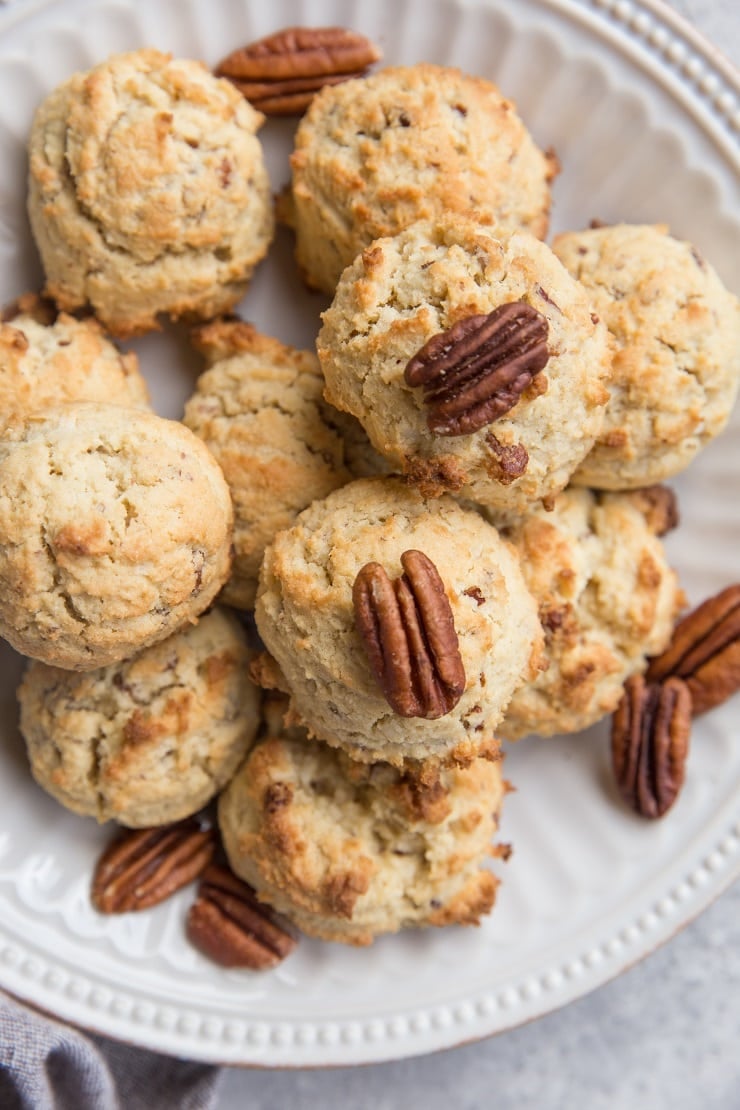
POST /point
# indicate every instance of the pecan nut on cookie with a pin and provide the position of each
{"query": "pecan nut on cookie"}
(415, 658)
(475, 363)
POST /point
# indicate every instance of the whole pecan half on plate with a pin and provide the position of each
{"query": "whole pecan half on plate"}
(650, 743)
(476, 371)
(705, 651)
(408, 632)
(281, 74)
(141, 868)
(233, 928)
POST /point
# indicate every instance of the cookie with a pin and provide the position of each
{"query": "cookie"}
(48, 359)
(260, 410)
(677, 363)
(115, 530)
(148, 191)
(376, 154)
(607, 600)
(401, 292)
(349, 850)
(146, 741)
(305, 614)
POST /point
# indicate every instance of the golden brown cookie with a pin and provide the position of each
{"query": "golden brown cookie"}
(150, 740)
(259, 408)
(350, 850)
(677, 363)
(148, 192)
(115, 531)
(408, 143)
(607, 600)
(50, 359)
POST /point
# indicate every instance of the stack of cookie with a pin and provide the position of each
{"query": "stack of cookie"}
(445, 519)
(116, 525)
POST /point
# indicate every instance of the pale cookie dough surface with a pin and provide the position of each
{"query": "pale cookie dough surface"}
(348, 850)
(677, 362)
(115, 530)
(305, 617)
(62, 361)
(607, 600)
(375, 154)
(150, 740)
(402, 291)
(260, 410)
(148, 192)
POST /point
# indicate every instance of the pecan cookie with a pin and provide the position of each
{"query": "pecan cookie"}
(474, 363)
(677, 363)
(259, 409)
(115, 530)
(402, 626)
(48, 359)
(148, 191)
(408, 143)
(607, 600)
(150, 740)
(349, 850)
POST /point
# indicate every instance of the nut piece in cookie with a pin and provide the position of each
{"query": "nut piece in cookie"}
(677, 363)
(607, 600)
(409, 143)
(348, 851)
(305, 614)
(148, 191)
(148, 741)
(115, 531)
(48, 360)
(259, 409)
(495, 333)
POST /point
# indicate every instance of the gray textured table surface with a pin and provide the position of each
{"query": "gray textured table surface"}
(664, 1035)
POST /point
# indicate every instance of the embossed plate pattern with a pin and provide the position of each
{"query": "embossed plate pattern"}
(645, 120)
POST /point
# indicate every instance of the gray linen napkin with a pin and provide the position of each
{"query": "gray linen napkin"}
(45, 1065)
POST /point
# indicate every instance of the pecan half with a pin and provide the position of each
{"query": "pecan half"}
(280, 74)
(141, 868)
(650, 743)
(705, 651)
(659, 506)
(232, 927)
(407, 629)
(477, 370)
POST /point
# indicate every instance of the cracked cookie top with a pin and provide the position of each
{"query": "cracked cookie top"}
(676, 367)
(149, 740)
(115, 530)
(147, 191)
(53, 360)
(260, 410)
(607, 600)
(375, 154)
(350, 850)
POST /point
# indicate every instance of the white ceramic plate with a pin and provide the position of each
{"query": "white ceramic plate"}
(644, 118)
